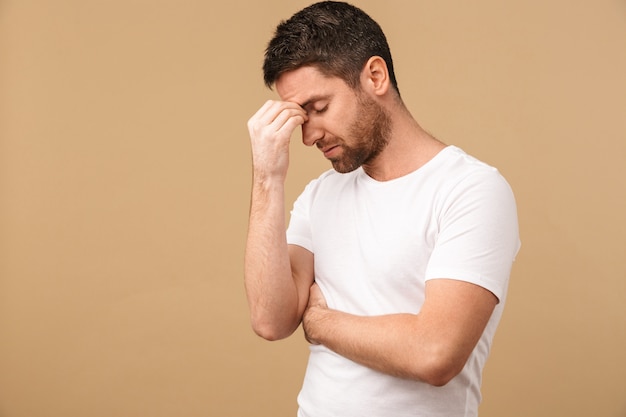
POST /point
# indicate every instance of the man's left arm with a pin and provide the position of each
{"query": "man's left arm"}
(431, 346)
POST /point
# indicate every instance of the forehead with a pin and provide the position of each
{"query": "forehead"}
(305, 84)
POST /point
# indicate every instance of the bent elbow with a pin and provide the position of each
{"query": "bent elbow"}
(439, 370)
(441, 377)
(270, 331)
(267, 334)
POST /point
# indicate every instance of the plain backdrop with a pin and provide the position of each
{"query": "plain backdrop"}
(124, 193)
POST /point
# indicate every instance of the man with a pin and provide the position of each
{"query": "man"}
(397, 260)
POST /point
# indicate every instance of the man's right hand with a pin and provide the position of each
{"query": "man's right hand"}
(270, 131)
(277, 276)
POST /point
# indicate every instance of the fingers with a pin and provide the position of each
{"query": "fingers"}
(311, 317)
(271, 128)
(316, 298)
(277, 117)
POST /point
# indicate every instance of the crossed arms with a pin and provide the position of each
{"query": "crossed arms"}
(431, 346)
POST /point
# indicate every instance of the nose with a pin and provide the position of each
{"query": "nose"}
(311, 132)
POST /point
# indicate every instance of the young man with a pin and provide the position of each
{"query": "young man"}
(397, 260)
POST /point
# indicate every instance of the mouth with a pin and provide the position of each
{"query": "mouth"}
(329, 151)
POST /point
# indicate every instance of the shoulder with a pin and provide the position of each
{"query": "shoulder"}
(469, 190)
(462, 172)
(457, 161)
(330, 180)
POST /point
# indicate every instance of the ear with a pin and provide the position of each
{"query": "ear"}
(375, 76)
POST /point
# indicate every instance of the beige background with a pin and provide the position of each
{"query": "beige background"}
(124, 185)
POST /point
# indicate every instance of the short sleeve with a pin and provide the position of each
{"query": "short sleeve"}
(478, 236)
(299, 230)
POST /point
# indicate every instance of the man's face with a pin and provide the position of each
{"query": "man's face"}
(349, 127)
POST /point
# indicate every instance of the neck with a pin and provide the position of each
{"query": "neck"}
(408, 149)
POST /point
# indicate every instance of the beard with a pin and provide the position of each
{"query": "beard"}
(370, 131)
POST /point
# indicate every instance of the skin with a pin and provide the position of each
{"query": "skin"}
(432, 346)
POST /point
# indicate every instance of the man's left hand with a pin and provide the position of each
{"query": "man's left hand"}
(314, 314)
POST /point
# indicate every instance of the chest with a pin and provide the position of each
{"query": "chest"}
(372, 248)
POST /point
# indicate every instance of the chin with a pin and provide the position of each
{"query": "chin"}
(344, 169)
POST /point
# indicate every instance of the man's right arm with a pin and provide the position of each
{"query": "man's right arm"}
(277, 276)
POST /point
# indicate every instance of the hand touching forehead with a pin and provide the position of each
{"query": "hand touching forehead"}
(307, 85)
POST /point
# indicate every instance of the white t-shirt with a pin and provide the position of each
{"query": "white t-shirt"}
(375, 244)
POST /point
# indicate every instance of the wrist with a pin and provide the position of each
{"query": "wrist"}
(265, 179)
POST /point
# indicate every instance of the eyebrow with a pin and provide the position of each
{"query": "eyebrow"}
(314, 99)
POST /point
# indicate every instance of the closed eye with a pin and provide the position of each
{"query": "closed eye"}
(322, 110)
(314, 102)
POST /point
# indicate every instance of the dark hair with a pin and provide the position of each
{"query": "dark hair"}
(335, 37)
